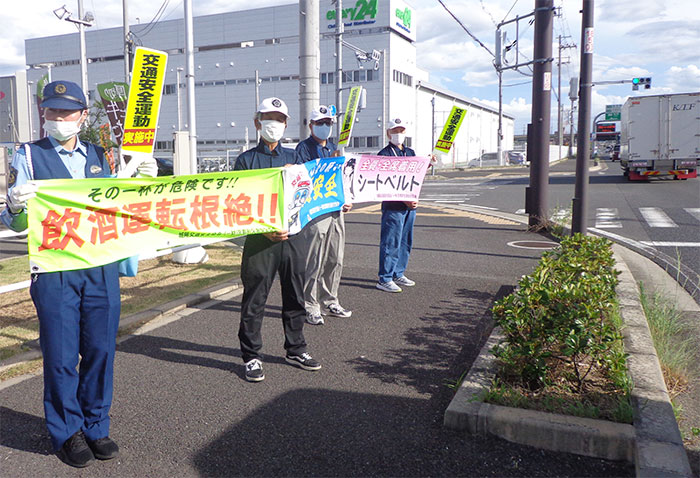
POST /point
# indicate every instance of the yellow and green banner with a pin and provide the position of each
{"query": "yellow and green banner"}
(81, 223)
(143, 105)
(450, 130)
(349, 118)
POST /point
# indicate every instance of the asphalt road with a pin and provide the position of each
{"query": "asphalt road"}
(182, 407)
(663, 215)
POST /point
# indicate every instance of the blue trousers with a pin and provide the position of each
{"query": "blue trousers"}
(78, 321)
(396, 241)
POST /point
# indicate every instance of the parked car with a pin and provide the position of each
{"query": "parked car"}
(487, 159)
(165, 166)
(516, 157)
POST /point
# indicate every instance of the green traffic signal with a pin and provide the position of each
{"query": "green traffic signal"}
(635, 81)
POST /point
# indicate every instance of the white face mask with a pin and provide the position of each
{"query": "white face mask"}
(62, 130)
(321, 131)
(397, 138)
(271, 130)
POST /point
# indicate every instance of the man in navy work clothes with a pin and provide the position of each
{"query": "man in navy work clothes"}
(78, 310)
(396, 237)
(266, 254)
(325, 234)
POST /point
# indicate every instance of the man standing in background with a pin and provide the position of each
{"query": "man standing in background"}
(325, 234)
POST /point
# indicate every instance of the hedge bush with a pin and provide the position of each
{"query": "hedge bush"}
(562, 317)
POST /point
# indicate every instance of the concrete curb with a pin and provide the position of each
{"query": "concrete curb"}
(129, 323)
(654, 443)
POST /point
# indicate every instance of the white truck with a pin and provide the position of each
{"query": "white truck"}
(660, 136)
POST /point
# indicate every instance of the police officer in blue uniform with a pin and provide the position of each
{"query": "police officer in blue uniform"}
(78, 310)
(265, 255)
(325, 234)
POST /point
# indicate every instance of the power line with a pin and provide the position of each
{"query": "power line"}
(466, 30)
(510, 10)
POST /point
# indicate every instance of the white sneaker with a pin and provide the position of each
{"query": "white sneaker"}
(404, 281)
(336, 310)
(314, 319)
(388, 286)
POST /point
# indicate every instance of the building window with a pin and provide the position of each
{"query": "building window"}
(372, 141)
(403, 78)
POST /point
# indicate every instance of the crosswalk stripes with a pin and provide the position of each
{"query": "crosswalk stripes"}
(656, 217)
(607, 218)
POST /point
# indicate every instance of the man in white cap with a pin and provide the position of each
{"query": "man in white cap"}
(326, 233)
(265, 255)
(396, 239)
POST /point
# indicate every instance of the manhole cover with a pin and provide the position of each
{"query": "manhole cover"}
(533, 244)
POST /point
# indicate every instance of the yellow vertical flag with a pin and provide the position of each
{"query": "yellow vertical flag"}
(143, 106)
(449, 131)
(349, 118)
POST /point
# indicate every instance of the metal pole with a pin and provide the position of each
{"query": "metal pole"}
(257, 102)
(83, 52)
(309, 71)
(559, 135)
(29, 101)
(499, 147)
(338, 64)
(571, 129)
(432, 144)
(189, 76)
(127, 59)
(541, 105)
(178, 70)
(579, 203)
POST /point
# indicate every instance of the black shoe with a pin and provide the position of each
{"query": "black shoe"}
(76, 452)
(304, 361)
(104, 448)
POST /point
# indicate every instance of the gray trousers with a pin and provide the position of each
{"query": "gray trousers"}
(324, 264)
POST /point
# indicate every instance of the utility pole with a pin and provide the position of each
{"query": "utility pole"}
(83, 50)
(178, 70)
(579, 203)
(338, 65)
(127, 48)
(309, 70)
(538, 197)
(189, 76)
(560, 135)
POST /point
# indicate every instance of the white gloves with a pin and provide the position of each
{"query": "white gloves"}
(19, 195)
(142, 163)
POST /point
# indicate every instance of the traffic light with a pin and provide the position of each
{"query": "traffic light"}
(637, 82)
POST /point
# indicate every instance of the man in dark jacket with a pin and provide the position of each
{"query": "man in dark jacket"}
(266, 254)
(325, 234)
(396, 239)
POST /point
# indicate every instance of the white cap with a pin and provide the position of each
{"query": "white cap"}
(395, 123)
(270, 105)
(322, 112)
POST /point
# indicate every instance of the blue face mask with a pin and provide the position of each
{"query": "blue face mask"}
(322, 131)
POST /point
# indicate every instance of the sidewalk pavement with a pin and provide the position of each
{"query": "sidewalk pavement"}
(183, 408)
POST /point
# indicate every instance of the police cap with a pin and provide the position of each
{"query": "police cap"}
(63, 95)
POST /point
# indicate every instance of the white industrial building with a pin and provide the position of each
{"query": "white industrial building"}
(231, 47)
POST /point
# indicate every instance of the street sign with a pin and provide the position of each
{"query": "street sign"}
(613, 112)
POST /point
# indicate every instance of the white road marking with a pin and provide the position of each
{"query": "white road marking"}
(520, 211)
(670, 244)
(655, 217)
(693, 211)
(607, 218)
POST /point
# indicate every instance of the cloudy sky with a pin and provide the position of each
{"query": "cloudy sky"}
(655, 38)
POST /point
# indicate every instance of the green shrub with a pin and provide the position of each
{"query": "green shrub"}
(561, 318)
